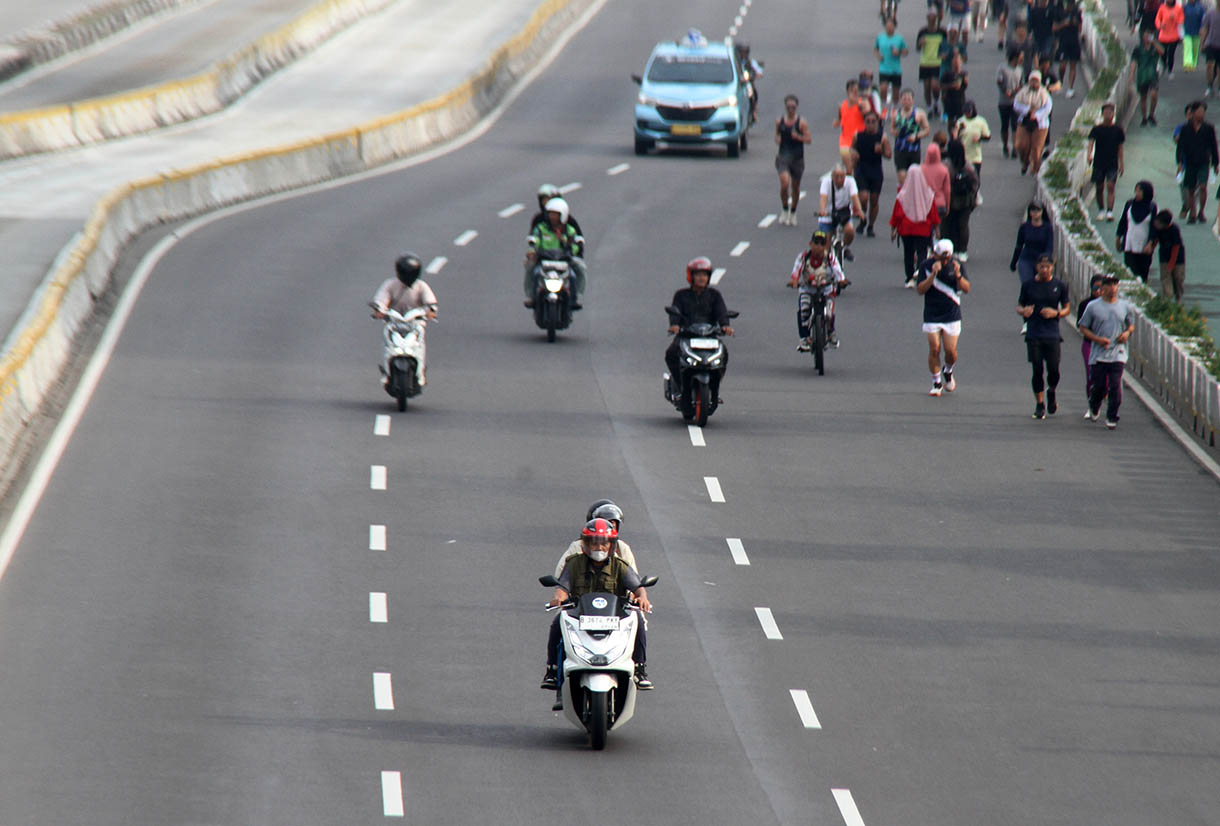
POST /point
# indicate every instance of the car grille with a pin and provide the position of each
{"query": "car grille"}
(677, 113)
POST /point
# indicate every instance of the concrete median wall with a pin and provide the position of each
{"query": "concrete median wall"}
(1162, 362)
(40, 348)
(143, 110)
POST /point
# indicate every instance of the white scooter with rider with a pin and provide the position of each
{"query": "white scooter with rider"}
(406, 303)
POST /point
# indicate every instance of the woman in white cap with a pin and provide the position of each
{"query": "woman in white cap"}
(1032, 107)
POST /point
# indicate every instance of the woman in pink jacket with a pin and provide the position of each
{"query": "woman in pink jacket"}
(937, 176)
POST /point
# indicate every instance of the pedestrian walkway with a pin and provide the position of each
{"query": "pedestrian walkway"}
(1149, 154)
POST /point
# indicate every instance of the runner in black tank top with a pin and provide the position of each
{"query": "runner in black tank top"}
(871, 146)
(791, 135)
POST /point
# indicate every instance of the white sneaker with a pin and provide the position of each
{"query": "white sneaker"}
(950, 383)
(936, 390)
(910, 285)
(792, 218)
(1170, 76)
(1072, 92)
(978, 200)
(963, 257)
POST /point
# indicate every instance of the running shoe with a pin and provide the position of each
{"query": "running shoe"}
(1052, 406)
(832, 340)
(1111, 424)
(803, 346)
(1091, 414)
(870, 232)
(1039, 411)
(910, 284)
(936, 390)
(950, 382)
(550, 680)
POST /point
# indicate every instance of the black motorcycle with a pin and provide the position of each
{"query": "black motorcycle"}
(695, 391)
(553, 291)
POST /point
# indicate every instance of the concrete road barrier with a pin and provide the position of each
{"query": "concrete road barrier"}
(67, 296)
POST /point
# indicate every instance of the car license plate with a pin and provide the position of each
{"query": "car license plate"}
(686, 129)
(598, 623)
(704, 343)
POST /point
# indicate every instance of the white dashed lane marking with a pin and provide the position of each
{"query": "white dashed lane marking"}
(847, 807)
(391, 794)
(618, 170)
(383, 691)
(376, 537)
(717, 274)
(767, 621)
(436, 265)
(465, 238)
(510, 211)
(378, 609)
(381, 426)
(740, 249)
(377, 477)
(767, 220)
(713, 488)
(696, 435)
(572, 187)
(804, 707)
(738, 551)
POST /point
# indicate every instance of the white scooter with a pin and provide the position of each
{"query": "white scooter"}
(597, 675)
(403, 354)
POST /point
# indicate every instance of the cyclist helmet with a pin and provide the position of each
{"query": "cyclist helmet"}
(546, 192)
(700, 264)
(408, 266)
(593, 508)
(597, 538)
(612, 513)
(558, 205)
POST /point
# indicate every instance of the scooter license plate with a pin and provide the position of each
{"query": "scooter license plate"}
(599, 623)
(686, 129)
(704, 343)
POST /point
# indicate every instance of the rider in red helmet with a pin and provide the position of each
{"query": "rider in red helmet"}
(698, 303)
(597, 569)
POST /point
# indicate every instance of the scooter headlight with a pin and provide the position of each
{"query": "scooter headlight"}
(585, 654)
(692, 361)
(553, 285)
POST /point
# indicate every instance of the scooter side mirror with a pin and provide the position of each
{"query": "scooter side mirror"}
(648, 581)
(638, 80)
(549, 581)
(669, 308)
(733, 314)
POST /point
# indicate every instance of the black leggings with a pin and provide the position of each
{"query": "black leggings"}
(1170, 50)
(914, 251)
(956, 227)
(1008, 122)
(1043, 351)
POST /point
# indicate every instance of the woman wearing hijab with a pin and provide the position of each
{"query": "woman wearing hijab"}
(1035, 238)
(936, 175)
(963, 189)
(913, 219)
(1135, 231)
(1032, 109)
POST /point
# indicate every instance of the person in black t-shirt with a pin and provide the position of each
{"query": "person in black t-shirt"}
(869, 148)
(1042, 302)
(1106, 156)
(953, 83)
(1168, 236)
(941, 281)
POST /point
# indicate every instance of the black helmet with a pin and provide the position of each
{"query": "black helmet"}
(408, 266)
(611, 513)
(593, 508)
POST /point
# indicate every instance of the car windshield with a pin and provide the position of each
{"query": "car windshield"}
(679, 69)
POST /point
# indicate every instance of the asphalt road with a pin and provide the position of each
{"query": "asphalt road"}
(995, 619)
(167, 46)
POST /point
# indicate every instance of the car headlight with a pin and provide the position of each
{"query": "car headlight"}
(731, 100)
(645, 100)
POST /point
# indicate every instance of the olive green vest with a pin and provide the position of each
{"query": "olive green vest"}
(588, 578)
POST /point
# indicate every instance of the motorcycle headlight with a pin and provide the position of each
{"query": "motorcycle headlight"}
(553, 285)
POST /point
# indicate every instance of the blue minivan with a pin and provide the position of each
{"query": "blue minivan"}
(691, 92)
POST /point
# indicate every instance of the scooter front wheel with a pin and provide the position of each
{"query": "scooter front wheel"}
(703, 404)
(599, 719)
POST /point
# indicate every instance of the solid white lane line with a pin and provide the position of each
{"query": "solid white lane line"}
(465, 238)
(767, 220)
(378, 609)
(713, 488)
(618, 170)
(847, 806)
(383, 691)
(381, 426)
(377, 477)
(376, 537)
(391, 794)
(436, 265)
(572, 187)
(696, 435)
(768, 624)
(717, 274)
(738, 551)
(510, 211)
(739, 249)
(804, 707)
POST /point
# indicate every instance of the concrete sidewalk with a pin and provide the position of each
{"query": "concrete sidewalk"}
(1149, 154)
(358, 76)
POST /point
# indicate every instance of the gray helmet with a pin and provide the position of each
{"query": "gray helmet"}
(408, 267)
(593, 508)
(611, 513)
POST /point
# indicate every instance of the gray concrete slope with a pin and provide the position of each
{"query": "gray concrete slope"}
(163, 48)
(996, 619)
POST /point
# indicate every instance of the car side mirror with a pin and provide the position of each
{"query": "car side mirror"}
(648, 581)
(549, 581)
(638, 80)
